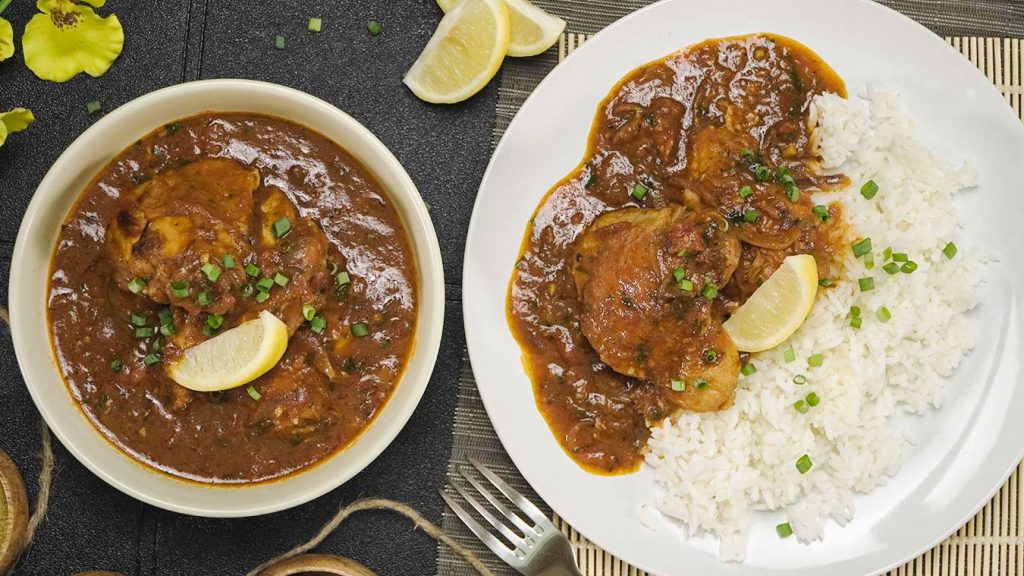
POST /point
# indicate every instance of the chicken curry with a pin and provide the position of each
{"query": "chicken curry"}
(198, 227)
(694, 188)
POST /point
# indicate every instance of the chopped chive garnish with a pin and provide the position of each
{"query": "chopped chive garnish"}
(279, 42)
(373, 27)
(138, 318)
(93, 106)
(315, 24)
(812, 399)
(815, 360)
(136, 285)
(804, 464)
(891, 268)
(801, 406)
(678, 385)
(145, 332)
(883, 314)
(824, 282)
(855, 311)
(165, 316)
(317, 324)
(262, 297)
(679, 274)
(332, 268)
(212, 271)
(116, 365)
(179, 289)
(949, 251)
(750, 215)
(869, 260)
(158, 344)
(207, 331)
(229, 261)
(152, 359)
(342, 278)
(792, 192)
(869, 189)
(686, 285)
(700, 383)
(282, 227)
(908, 267)
(762, 173)
(360, 329)
(861, 248)
(746, 192)
(281, 280)
(168, 330)
(253, 392)
(799, 379)
(900, 257)
(784, 530)
(855, 322)
(748, 369)
(821, 211)
(866, 284)
(247, 290)
(265, 284)
(710, 291)
(308, 312)
(710, 356)
(887, 254)
(639, 191)
(789, 355)
(203, 298)
(747, 154)
(252, 270)
(214, 321)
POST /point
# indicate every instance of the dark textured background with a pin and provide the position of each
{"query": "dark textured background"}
(445, 149)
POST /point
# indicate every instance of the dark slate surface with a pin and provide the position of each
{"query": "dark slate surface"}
(445, 149)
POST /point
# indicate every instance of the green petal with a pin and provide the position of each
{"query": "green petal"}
(6, 40)
(14, 121)
(69, 38)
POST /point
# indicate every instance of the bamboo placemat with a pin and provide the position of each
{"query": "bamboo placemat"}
(990, 544)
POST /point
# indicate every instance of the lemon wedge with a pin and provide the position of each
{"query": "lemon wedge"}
(533, 30)
(776, 309)
(464, 53)
(236, 357)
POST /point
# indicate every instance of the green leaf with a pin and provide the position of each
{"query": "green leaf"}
(84, 42)
(13, 121)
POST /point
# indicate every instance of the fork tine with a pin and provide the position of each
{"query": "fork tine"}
(486, 537)
(513, 518)
(514, 538)
(510, 493)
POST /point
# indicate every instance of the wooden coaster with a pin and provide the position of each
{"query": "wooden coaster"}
(13, 513)
(317, 564)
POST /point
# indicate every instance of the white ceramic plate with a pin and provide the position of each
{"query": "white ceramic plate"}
(968, 448)
(30, 274)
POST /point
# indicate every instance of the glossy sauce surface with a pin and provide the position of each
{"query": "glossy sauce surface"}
(690, 131)
(184, 197)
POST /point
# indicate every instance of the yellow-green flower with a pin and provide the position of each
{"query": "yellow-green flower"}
(14, 121)
(6, 34)
(68, 38)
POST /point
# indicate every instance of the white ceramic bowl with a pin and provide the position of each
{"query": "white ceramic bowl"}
(30, 270)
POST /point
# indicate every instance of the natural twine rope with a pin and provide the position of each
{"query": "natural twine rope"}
(46, 482)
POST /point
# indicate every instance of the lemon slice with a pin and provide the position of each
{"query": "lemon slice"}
(533, 30)
(464, 53)
(776, 309)
(236, 357)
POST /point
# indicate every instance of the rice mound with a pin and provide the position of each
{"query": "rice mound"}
(714, 471)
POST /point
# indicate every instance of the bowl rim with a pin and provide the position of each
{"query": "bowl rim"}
(430, 299)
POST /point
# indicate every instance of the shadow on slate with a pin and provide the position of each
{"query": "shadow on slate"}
(445, 149)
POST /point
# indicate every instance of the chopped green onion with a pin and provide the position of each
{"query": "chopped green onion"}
(815, 360)
(282, 227)
(883, 314)
(281, 280)
(342, 278)
(866, 284)
(700, 383)
(116, 365)
(949, 251)
(900, 257)
(279, 42)
(212, 271)
(252, 270)
(168, 330)
(360, 329)
(679, 274)
(179, 289)
(710, 356)
(821, 211)
(93, 106)
(315, 24)
(308, 312)
(158, 344)
(750, 215)
(804, 464)
(207, 331)
(799, 379)
(145, 332)
(887, 254)
(789, 355)
(678, 385)
(908, 267)
(812, 399)
(824, 282)
(639, 191)
(891, 268)
(686, 285)
(262, 297)
(203, 298)
(136, 285)
(855, 311)
(165, 316)
(747, 154)
(869, 260)
(861, 248)
(784, 530)
(139, 318)
(856, 322)
(792, 192)
(265, 284)
(746, 192)
(247, 290)
(748, 369)
(801, 406)
(152, 359)
(373, 27)
(229, 261)
(709, 291)
(214, 321)
(253, 392)
(317, 324)
(869, 189)
(332, 268)
(762, 173)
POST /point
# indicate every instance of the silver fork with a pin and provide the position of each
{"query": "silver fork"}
(537, 550)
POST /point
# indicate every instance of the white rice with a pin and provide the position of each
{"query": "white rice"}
(715, 471)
